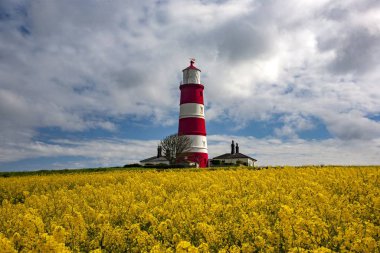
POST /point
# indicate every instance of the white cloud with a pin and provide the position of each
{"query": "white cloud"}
(274, 151)
(106, 152)
(268, 151)
(80, 65)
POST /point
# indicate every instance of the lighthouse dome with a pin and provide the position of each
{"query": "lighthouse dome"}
(191, 74)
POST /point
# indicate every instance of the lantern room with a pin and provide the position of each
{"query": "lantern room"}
(191, 74)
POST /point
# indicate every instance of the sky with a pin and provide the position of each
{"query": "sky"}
(95, 83)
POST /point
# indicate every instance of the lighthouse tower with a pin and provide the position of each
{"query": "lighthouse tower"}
(191, 115)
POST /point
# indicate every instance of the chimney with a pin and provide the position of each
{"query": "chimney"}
(232, 147)
(159, 151)
(237, 148)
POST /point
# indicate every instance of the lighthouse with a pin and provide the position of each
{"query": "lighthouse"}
(192, 115)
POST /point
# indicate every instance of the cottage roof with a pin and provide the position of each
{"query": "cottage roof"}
(233, 156)
(154, 159)
(192, 66)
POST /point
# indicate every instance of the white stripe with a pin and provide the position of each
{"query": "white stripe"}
(198, 143)
(191, 110)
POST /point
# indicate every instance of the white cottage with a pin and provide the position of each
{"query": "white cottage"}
(233, 158)
(156, 160)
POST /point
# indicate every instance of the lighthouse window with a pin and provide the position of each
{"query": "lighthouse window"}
(201, 109)
(201, 93)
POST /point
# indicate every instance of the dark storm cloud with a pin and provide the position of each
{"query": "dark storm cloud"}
(354, 36)
(240, 40)
(357, 51)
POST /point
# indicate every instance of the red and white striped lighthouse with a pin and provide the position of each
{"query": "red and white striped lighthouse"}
(191, 115)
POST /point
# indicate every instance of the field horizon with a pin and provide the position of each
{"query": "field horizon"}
(152, 168)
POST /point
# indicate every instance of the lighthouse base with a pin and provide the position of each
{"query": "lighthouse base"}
(200, 158)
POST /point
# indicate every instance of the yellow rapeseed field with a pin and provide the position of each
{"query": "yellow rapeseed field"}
(328, 209)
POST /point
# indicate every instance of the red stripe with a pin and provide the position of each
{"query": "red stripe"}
(191, 67)
(200, 158)
(192, 126)
(191, 93)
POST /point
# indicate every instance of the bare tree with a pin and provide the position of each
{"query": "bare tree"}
(174, 146)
